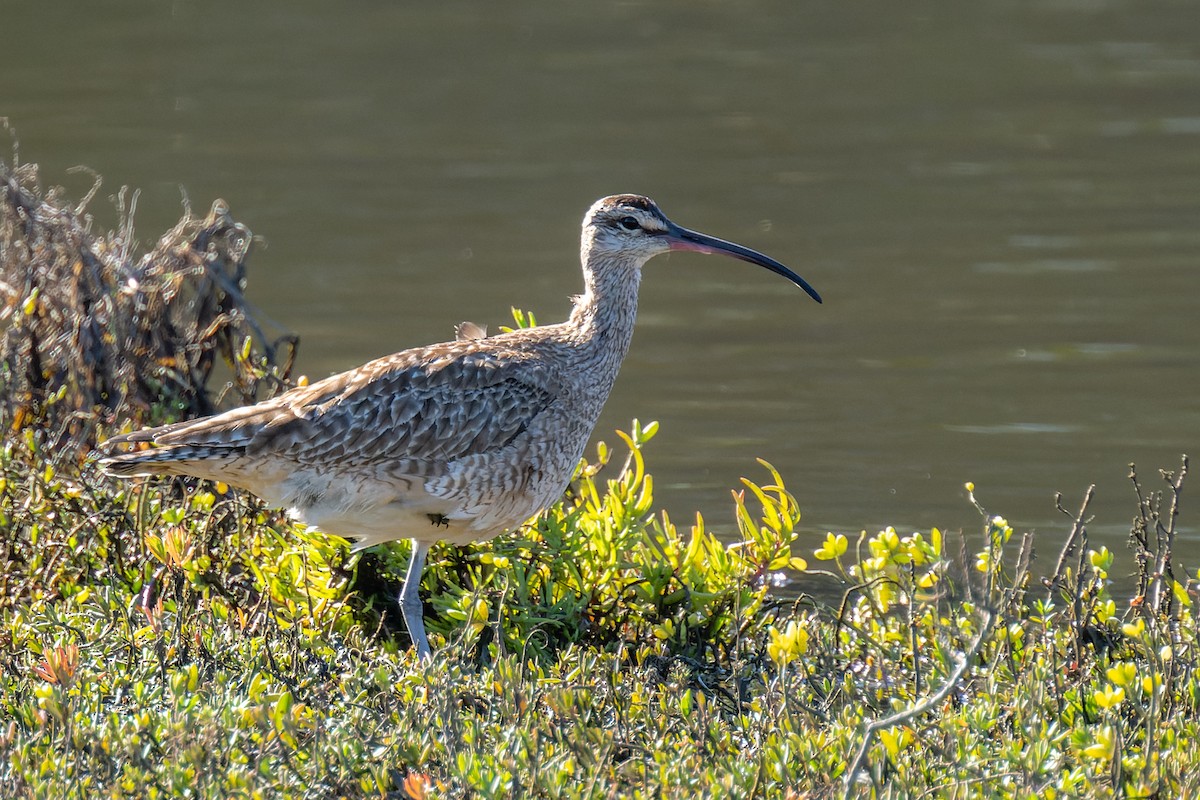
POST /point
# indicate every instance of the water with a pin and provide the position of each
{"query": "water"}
(998, 201)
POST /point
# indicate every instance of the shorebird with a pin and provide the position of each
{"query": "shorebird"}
(453, 442)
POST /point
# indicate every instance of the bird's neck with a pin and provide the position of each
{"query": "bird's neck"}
(602, 320)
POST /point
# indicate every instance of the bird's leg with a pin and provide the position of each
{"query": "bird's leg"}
(410, 598)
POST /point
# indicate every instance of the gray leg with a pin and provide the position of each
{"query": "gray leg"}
(410, 599)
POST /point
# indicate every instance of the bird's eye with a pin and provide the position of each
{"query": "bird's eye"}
(628, 223)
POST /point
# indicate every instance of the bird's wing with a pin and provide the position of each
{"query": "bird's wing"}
(432, 406)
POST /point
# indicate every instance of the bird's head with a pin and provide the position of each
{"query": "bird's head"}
(632, 228)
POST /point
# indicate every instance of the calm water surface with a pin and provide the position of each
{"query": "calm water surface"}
(999, 201)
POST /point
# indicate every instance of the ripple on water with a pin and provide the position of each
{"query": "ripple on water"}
(1004, 428)
(1045, 265)
(1068, 351)
(1041, 241)
(1172, 126)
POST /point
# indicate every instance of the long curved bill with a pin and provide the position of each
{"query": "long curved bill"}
(684, 239)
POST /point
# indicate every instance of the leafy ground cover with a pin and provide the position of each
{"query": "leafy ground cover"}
(166, 640)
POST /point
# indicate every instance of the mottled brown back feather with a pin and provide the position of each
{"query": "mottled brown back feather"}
(434, 404)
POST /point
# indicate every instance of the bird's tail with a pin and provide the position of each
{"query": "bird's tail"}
(173, 460)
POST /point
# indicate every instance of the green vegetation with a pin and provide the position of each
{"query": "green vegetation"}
(162, 640)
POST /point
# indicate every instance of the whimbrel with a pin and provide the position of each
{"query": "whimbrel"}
(454, 442)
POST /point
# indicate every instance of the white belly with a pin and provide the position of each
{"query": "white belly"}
(370, 511)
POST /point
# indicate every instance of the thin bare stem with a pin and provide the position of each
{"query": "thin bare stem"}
(1078, 530)
(989, 617)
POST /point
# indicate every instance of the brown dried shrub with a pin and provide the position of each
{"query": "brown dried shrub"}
(92, 335)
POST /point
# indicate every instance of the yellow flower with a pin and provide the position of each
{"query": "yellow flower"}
(1000, 530)
(1122, 673)
(1134, 629)
(789, 645)
(1109, 697)
(1101, 559)
(886, 541)
(499, 562)
(835, 545)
